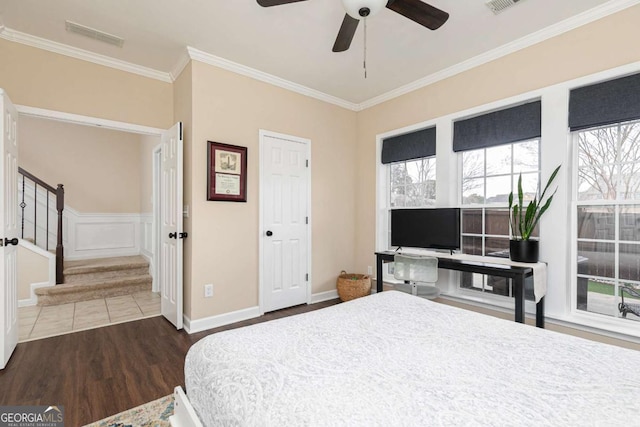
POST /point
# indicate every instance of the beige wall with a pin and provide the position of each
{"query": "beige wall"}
(230, 108)
(580, 52)
(96, 166)
(32, 268)
(222, 106)
(38, 78)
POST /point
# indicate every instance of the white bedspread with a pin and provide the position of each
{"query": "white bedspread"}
(392, 359)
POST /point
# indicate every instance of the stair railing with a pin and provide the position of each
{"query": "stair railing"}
(49, 193)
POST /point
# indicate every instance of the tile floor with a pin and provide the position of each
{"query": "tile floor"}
(40, 322)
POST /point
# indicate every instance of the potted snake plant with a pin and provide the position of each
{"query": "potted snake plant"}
(524, 219)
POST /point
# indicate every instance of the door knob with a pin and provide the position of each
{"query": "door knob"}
(269, 233)
(173, 235)
(13, 241)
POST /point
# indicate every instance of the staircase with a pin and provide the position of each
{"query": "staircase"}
(98, 278)
(40, 200)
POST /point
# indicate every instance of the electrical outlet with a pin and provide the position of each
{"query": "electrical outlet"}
(208, 290)
(369, 270)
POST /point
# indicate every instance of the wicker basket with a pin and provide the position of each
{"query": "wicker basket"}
(351, 286)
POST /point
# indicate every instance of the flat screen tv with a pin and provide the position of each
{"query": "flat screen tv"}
(437, 228)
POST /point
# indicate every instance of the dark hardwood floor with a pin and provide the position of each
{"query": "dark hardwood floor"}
(101, 372)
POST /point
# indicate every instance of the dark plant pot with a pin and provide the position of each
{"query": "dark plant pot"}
(524, 250)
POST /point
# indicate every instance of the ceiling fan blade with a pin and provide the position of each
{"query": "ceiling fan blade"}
(269, 3)
(422, 13)
(346, 33)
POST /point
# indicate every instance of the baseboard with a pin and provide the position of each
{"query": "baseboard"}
(33, 300)
(323, 296)
(199, 325)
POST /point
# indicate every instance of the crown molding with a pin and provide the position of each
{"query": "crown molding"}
(85, 55)
(198, 55)
(569, 24)
(191, 53)
(180, 65)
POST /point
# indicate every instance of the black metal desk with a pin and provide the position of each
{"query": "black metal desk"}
(515, 273)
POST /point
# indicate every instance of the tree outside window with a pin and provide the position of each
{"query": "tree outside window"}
(608, 213)
(488, 176)
(413, 183)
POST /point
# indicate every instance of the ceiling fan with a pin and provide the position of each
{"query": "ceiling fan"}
(422, 13)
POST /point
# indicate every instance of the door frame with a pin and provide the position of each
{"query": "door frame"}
(87, 120)
(156, 224)
(261, 228)
(113, 125)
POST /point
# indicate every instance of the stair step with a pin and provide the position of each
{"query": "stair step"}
(82, 271)
(102, 288)
(104, 264)
(76, 277)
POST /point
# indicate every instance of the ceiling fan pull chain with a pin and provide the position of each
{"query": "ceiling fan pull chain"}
(365, 48)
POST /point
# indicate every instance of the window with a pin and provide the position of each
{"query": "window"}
(412, 183)
(488, 176)
(409, 168)
(608, 218)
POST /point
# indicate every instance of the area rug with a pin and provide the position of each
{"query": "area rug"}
(152, 414)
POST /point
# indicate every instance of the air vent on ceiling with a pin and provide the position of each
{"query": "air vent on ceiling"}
(92, 33)
(498, 6)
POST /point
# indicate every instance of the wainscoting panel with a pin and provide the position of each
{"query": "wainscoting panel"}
(84, 235)
(105, 235)
(102, 235)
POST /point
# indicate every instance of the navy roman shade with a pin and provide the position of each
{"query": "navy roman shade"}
(605, 103)
(413, 145)
(513, 124)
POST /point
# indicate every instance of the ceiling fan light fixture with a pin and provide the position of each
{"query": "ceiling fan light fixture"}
(360, 9)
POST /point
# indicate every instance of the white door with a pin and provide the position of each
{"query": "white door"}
(284, 202)
(172, 234)
(9, 227)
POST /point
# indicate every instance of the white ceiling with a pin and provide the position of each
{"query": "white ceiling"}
(294, 41)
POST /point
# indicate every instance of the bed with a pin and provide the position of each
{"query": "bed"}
(392, 359)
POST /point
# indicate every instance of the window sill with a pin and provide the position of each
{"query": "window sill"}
(500, 304)
(591, 323)
(601, 325)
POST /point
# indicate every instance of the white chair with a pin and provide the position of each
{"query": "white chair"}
(419, 274)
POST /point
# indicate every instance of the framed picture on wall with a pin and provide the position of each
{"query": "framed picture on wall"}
(227, 172)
